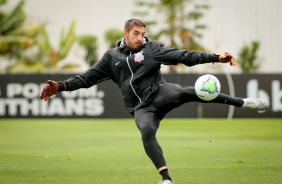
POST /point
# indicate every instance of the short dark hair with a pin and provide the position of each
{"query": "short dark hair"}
(131, 22)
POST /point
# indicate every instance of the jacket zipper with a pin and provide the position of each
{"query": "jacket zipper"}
(130, 82)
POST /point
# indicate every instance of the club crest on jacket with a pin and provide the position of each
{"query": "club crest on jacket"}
(139, 57)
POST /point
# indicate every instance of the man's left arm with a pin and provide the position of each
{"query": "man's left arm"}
(173, 56)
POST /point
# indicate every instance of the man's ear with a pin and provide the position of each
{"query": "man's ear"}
(125, 33)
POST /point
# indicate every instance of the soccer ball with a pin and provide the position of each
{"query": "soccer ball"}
(207, 87)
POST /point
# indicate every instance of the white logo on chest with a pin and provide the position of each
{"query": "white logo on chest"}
(139, 57)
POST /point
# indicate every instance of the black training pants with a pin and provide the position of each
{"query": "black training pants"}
(169, 97)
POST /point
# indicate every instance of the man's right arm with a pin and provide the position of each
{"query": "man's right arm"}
(94, 75)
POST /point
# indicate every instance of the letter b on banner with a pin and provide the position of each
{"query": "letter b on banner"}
(253, 91)
(276, 96)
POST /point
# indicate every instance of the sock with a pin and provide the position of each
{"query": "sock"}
(225, 99)
(165, 175)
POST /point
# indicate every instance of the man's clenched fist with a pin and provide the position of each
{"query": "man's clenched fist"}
(226, 57)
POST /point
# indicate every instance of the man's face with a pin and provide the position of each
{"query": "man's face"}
(134, 37)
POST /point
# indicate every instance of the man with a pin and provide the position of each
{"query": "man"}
(134, 65)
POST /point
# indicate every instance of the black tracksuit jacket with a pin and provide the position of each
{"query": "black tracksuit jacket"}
(137, 72)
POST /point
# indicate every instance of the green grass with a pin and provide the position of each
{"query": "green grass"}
(84, 151)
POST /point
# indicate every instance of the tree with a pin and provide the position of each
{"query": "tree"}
(42, 57)
(13, 36)
(28, 48)
(89, 43)
(112, 36)
(179, 21)
(247, 60)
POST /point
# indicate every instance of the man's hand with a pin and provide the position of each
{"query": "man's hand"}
(51, 88)
(226, 57)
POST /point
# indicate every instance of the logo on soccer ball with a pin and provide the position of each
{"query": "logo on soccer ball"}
(139, 57)
(210, 86)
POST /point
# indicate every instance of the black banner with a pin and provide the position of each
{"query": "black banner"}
(264, 86)
(19, 97)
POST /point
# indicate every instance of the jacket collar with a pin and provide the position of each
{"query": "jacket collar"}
(123, 47)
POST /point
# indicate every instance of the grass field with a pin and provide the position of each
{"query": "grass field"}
(103, 151)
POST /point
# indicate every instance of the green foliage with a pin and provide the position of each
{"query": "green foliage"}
(28, 47)
(53, 56)
(179, 21)
(112, 36)
(89, 43)
(45, 58)
(12, 20)
(3, 2)
(16, 39)
(248, 57)
(13, 36)
(66, 41)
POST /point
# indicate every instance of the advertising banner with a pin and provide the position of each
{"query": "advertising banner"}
(19, 98)
(263, 86)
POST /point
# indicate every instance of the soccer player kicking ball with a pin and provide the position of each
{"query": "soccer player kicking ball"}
(134, 65)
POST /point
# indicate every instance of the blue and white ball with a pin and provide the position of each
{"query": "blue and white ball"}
(207, 87)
